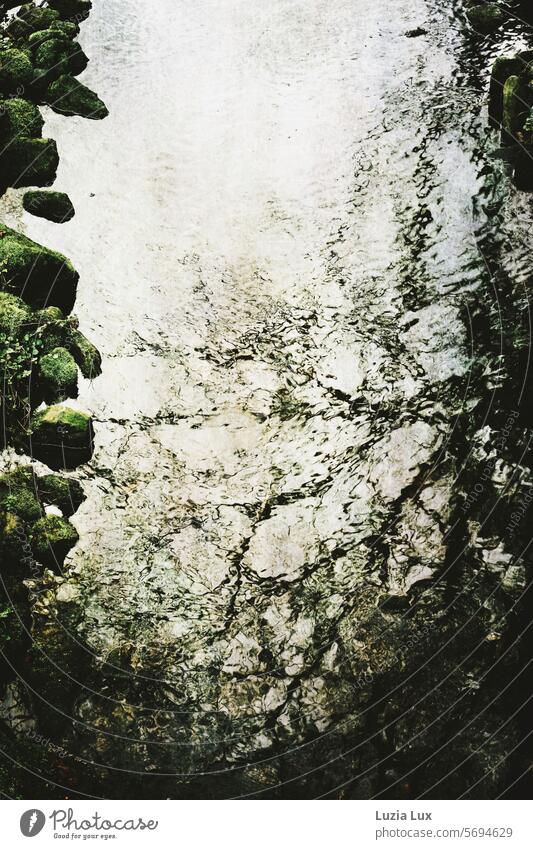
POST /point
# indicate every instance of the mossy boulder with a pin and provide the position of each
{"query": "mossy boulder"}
(64, 493)
(54, 206)
(19, 118)
(18, 496)
(37, 274)
(69, 97)
(512, 106)
(51, 539)
(503, 68)
(71, 8)
(31, 18)
(29, 162)
(58, 375)
(16, 71)
(61, 437)
(486, 17)
(58, 56)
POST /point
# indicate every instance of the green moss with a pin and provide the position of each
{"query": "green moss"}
(61, 437)
(86, 355)
(19, 118)
(487, 17)
(55, 206)
(31, 18)
(70, 97)
(58, 374)
(38, 274)
(14, 313)
(51, 539)
(16, 71)
(71, 8)
(61, 492)
(21, 503)
(511, 106)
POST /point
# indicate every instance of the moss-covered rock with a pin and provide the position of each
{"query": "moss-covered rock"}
(14, 313)
(69, 97)
(58, 375)
(58, 56)
(39, 275)
(54, 206)
(86, 355)
(51, 539)
(29, 162)
(16, 71)
(61, 437)
(18, 497)
(487, 17)
(512, 106)
(71, 8)
(19, 118)
(64, 493)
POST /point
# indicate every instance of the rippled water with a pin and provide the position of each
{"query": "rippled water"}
(276, 236)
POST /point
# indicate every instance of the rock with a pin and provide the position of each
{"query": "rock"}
(31, 18)
(486, 17)
(51, 539)
(41, 276)
(71, 8)
(512, 107)
(69, 97)
(503, 68)
(16, 71)
(19, 118)
(416, 33)
(58, 375)
(17, 495)
(14, 313)
(61, 437)
(86, 355)
(58, 56)
(29, 162)
(55, 206)
(61, 492)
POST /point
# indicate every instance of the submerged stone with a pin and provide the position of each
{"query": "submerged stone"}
(54, 206)
(503, 68)
(512, 107)
(57, 56)
(39, 275)
(487, 17)
(61, 437)
(51, 539)
(58, 375)
(69, 97)
(29, 162)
